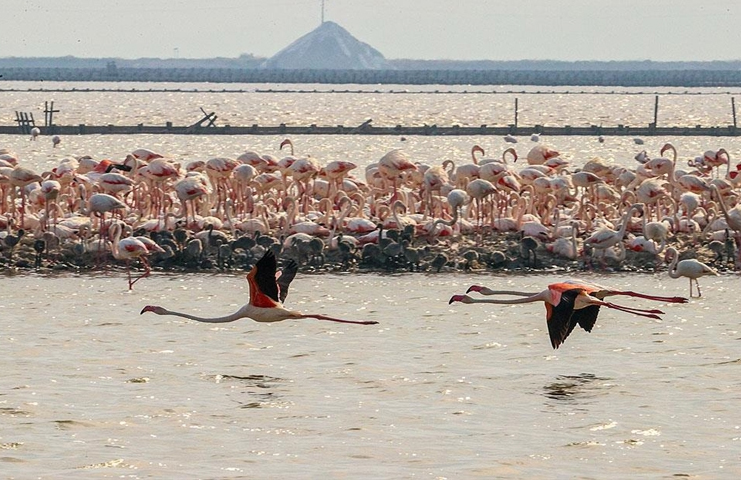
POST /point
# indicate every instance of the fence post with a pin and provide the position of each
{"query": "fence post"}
(656, 111)
(733, 110)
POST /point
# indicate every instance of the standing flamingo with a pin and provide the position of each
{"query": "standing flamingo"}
(539, 154)
(690, 268)
(50, 190)
(128, 249)
(479, 190)
(267, 292)
(456, 199)
(145, 154)
(733, 219)
(191, 188)
(21, 177)
(101, 203)
(605, 237)
(568, 304)
(391, 166)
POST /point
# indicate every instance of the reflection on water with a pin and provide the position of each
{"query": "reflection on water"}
(575, 387)
(259, 389)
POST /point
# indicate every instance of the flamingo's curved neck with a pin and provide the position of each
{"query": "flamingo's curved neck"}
(673, 265)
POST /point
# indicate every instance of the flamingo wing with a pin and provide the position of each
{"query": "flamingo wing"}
(265, 276)
(263, 287)
(560, 317)
(285, 278)
(585, 317)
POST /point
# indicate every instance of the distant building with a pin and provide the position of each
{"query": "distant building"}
(328, 47)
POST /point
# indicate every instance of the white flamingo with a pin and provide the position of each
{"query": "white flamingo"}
(689, 268)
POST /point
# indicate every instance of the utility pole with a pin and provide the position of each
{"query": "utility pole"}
(322, 12)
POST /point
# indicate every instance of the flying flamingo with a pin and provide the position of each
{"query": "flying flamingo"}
(267, 292)
(690, 268)
(568, 304)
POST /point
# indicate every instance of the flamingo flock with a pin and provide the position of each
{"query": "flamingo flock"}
(396, 213)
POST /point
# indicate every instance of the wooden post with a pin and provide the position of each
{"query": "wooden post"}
(516, 109)
(733, 110)
(49, 113)
(656, 111)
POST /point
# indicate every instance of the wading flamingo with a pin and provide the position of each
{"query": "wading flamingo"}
(130, 248)
(267, 292)
(568, 304)
(690, 268)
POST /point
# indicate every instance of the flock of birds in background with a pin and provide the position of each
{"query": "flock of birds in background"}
(148, 205)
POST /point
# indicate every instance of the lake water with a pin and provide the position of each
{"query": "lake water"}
(91, 389)
(597, 106)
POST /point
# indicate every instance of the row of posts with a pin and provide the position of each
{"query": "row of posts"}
(656, 111)
(49, 112)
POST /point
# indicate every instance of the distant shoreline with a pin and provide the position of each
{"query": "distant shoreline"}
(697, 77)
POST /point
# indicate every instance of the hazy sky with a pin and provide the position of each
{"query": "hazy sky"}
(418, 29)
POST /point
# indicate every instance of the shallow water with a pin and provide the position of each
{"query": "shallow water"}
(387, 105)
(491, 105)
(91, 389)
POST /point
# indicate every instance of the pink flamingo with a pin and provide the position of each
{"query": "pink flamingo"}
(391, 166)
(128, 249)
(568, 304)
(267, 292)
